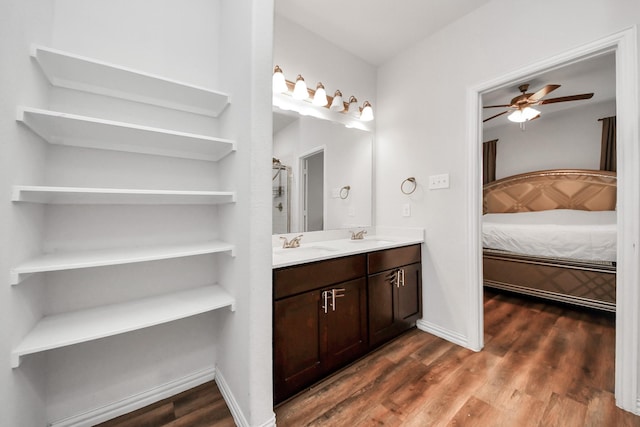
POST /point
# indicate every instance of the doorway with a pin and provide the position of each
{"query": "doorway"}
(313, 191)
(628, 213)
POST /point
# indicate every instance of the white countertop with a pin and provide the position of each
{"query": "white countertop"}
(321, 245)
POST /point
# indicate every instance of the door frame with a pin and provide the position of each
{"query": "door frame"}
(302, 160)
(624, 45)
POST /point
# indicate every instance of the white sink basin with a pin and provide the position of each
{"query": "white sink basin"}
(305, 251)
(372, 241)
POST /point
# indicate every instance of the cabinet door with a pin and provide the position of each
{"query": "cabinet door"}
(395, 302)
(382, 296)
(409, 297)
(344, 334)
(297, 358)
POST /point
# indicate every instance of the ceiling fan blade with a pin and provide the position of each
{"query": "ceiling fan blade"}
(542, 92)
(496, 106)
(566, 98)
(497, 115)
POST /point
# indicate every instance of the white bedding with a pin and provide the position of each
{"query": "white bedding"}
(558, 233)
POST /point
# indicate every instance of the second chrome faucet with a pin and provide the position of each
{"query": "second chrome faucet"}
(293, 243)
(358, 235)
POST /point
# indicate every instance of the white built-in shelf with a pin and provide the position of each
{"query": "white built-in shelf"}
(91, 324)
(86, 74)
(115, 196)
(81, 131)
(70, 260)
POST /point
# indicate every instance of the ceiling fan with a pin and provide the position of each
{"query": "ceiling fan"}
(520, 106)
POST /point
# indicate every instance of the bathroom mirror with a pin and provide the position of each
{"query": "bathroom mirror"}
(322, 174)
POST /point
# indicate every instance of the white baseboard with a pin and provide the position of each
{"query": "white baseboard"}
(140, 400)
(234, 407)
(438, 331)
(137, 401)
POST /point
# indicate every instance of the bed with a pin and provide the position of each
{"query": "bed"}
(552, 234)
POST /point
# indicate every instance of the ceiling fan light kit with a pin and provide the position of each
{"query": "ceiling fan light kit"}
(520, 106)
(523, 115)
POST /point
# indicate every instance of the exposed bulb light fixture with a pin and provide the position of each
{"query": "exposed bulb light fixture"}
(320, 97)
(352, 107)
(366, 112)
(300, 89)
(337, 104)
(279, 83)
(524, 115)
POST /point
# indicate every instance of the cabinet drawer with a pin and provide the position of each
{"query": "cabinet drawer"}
(302, 278)
(391, 258)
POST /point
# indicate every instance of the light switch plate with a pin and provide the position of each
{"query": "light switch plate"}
(439, 181)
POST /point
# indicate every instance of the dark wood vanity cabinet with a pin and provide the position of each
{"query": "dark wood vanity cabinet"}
(328, 313)
(394, 292)
(296, 343)
(319, 321)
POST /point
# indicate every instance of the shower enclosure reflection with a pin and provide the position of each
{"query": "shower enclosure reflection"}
(281, 188)
(306, 191)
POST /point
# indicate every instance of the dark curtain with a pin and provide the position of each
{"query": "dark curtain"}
(608, 147)
(489, 161)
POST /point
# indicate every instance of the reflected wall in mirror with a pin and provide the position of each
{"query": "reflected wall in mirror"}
(314, 160)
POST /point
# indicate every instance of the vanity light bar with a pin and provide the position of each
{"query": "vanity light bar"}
(278, 78)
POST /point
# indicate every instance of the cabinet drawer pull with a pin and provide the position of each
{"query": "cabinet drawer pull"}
(325, 301)
(335, 294)
(392, 277)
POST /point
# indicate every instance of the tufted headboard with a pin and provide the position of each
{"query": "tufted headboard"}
(581, 189)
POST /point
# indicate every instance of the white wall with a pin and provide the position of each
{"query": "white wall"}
(246, 361)
(420, 131)
(566, 139)
(298, 51)
(172, 41)
(348, 162)
(179, 41)
(22, 155)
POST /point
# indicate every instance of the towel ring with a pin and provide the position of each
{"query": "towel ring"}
(413, 184)
(344, 192)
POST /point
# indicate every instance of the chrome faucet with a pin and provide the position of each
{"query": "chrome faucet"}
(293, 243)
(359, 235)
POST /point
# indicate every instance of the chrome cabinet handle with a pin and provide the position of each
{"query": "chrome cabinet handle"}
(325, 297)
(401, 271)
(393, 278)
(335, 293)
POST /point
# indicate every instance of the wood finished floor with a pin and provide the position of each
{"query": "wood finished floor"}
(202, 406)
(542, 365)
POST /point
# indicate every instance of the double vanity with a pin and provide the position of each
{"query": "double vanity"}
(336, 298)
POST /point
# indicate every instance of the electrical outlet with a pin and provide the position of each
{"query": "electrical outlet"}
(335, 193)
(351, 211)
(439, 181)
(406, 209)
